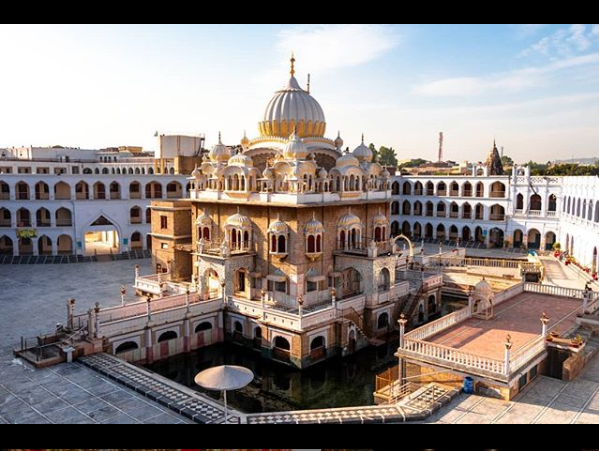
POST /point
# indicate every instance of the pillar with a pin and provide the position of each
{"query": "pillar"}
(70, 313)
(508, 345)
(544, 321)
(402, 363)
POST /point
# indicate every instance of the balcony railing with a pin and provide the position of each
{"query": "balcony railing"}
(497, 193)
(496, 217)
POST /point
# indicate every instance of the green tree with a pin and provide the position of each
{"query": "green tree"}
(507, 161)
(375, 152)
(387, 156)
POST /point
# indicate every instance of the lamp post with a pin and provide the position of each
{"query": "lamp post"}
(123, 293)
(544, 321)
(508, 345)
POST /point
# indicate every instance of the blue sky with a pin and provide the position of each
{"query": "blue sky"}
(535, 88)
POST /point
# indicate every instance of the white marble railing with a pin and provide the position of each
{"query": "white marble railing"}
(558, 291)
(526, 353)
(509, 293)
(472, 362)
(439, 325)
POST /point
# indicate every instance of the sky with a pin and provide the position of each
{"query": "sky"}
(532, 88)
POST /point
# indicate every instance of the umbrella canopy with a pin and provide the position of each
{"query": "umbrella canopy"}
(225, 377)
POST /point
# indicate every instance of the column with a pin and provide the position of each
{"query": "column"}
(402, 363)
(70, 313)
(544, 321)
(508, 345)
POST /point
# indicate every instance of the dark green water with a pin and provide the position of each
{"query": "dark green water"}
(276, 387)
(334, 383)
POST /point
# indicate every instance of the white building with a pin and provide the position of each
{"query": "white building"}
(67, 201)
(512, 212)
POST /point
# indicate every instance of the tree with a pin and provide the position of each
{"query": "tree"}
(507, 161)
(387, 156)
(375, 152)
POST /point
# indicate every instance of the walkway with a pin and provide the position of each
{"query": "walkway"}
(70, 393)
(547, 400)
(417, 406)
(557, 274)
(171, 395)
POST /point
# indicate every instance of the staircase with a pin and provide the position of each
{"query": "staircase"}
(352, 315)
(412, 303)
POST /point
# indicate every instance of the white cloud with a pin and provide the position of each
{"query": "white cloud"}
(337, 46)
(509, 81)
(565, 42)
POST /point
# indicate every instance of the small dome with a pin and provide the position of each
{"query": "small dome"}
(239, 220)
(314, 225)
(385, 173)
(380, 219)
(295, 148)
(241, 160)
(245, 142)
(338, 141)
(349, 219)
(220, 152)
(483, 285)
(196, 173)
(278, 226)
(322, 173)
(363, 152)
(204, 220)
(347, 160)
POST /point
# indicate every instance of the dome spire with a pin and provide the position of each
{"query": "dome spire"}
(362, 137)
(292, 60)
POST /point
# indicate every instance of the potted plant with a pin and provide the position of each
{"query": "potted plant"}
(576, 342)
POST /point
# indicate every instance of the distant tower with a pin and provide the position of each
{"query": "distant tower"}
(440, 147)
(501, 151)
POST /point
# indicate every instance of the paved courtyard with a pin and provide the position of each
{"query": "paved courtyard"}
(33, 297)
(32, 300)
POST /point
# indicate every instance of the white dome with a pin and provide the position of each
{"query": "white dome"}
(338, 141)
(347, 159)
(220, 152)
(290, 107)
(363, 152)
(241, 160)
(295, 148)
(349, 219)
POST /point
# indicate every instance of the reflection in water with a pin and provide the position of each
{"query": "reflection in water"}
(276, 387)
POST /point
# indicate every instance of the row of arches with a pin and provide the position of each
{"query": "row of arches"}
(164, 336)
(84, 191)
(62, 217)
(126, 171)
(454, 210)
(453, 189)
(582, 208)
(535, 202)
(63, 245)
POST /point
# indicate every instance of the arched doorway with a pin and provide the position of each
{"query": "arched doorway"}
(534, 239)
(550, 239)
(102, 237)
(518, 238)
(496, 238)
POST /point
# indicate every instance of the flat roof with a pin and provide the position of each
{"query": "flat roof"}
(519, 317)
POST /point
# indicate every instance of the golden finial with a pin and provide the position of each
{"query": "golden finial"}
(308, 84)
(292, 64)
(362, 138)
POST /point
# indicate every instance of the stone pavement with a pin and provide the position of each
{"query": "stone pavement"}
(70, 393)
(547, 401)
(33, 297)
